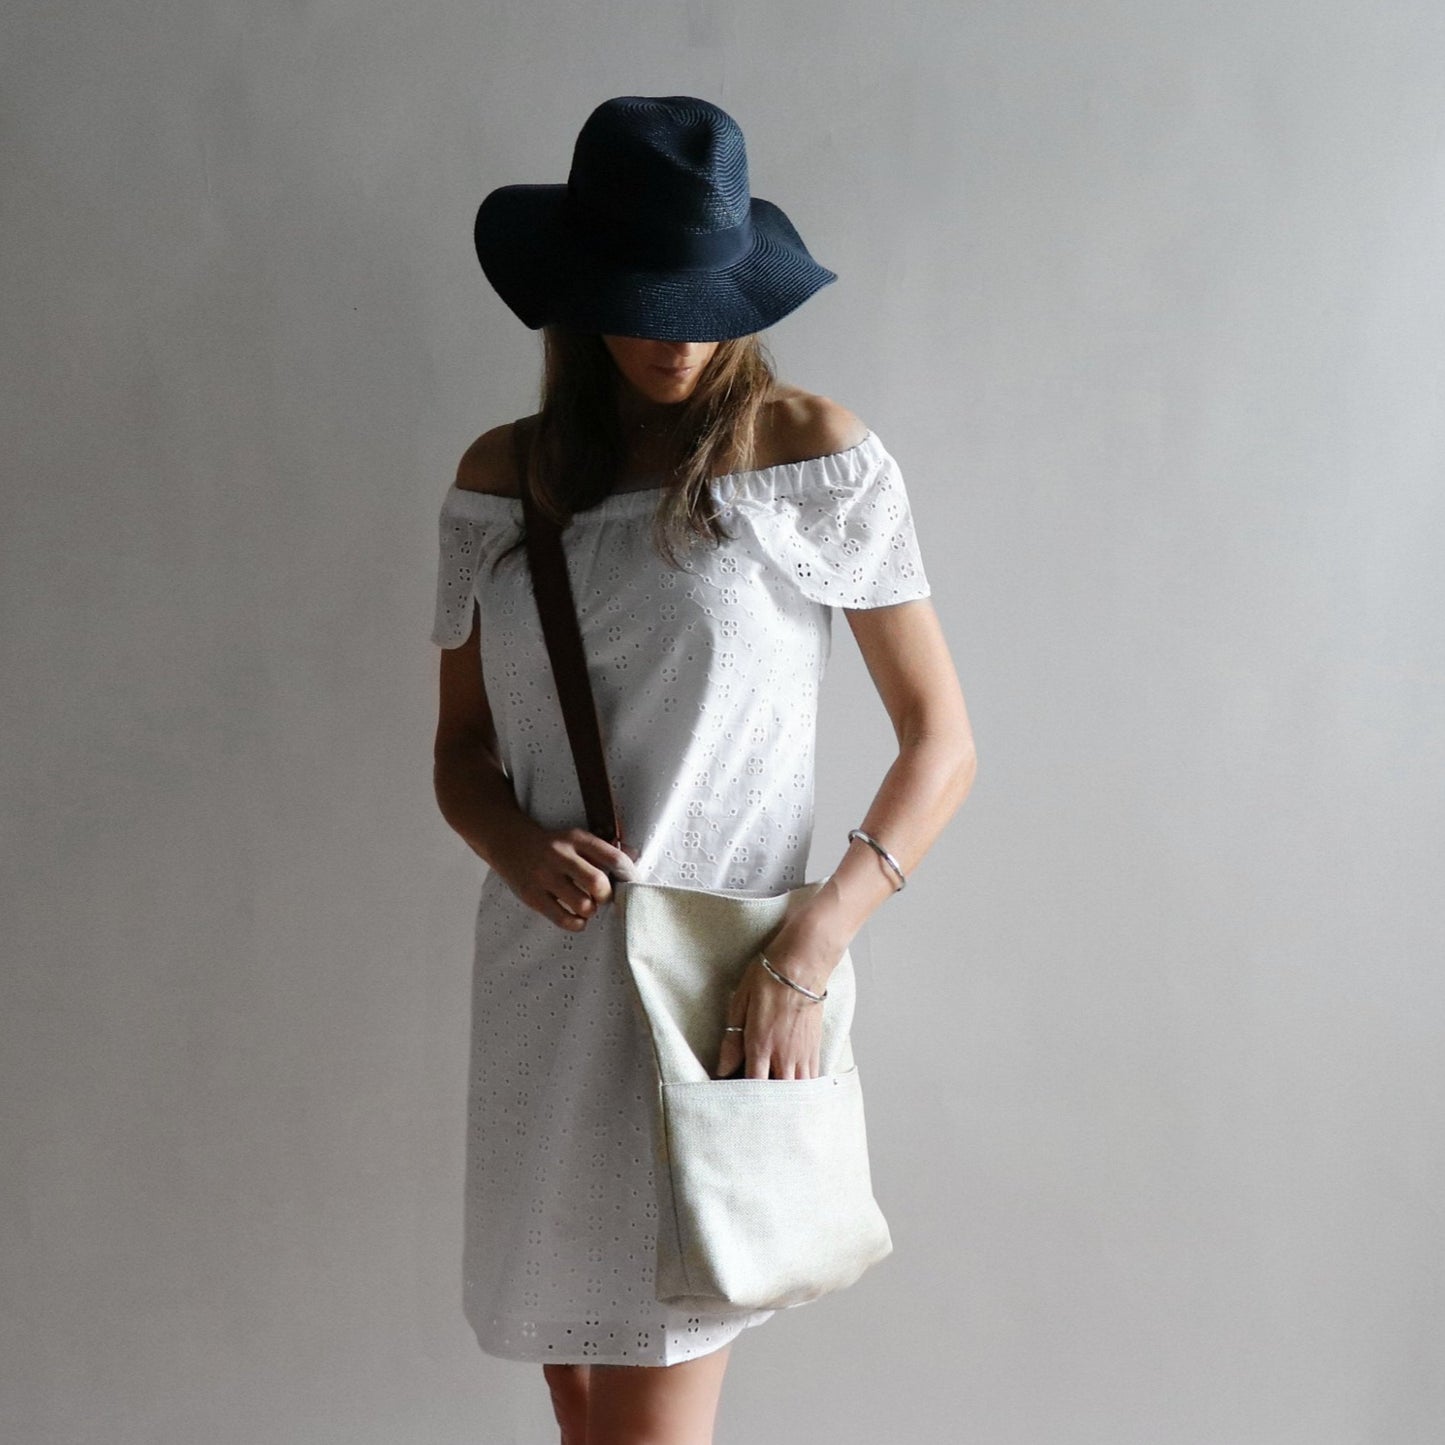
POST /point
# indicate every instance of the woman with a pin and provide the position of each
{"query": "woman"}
(712, 519)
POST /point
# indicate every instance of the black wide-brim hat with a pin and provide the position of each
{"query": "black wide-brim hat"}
(655, 232)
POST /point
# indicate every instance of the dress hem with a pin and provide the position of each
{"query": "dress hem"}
(493, 1342)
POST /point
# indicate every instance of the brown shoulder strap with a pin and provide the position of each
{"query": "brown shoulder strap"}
(552, 588)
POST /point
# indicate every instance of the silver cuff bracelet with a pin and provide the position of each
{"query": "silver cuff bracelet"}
(883, 853)
(807, 992)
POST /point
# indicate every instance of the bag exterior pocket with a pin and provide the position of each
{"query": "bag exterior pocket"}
(771, 1199)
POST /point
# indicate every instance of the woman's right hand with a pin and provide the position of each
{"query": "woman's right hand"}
(563, 874)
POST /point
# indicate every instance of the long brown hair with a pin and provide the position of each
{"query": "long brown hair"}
(577, 447)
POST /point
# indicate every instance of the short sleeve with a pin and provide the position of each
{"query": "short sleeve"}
(840, 526)
(472, 529)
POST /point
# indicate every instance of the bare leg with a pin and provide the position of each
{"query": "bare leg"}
(569, 1385)
(655, 1404)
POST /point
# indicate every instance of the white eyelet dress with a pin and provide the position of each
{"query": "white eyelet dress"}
(707, 686)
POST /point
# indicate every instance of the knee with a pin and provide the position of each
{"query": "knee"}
(568, 1387)
(656, 1405)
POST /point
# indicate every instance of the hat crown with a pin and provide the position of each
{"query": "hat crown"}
(655, 233)
(673, 162)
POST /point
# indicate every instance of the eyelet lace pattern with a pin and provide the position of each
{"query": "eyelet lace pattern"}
(707, 682)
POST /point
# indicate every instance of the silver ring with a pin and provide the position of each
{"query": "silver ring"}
(732, 1028)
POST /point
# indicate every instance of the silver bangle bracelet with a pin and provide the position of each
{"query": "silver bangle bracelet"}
(883, 853)
(807, 992)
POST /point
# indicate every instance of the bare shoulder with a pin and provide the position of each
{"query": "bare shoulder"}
(488, 465)
(797, 425)
(803, 424)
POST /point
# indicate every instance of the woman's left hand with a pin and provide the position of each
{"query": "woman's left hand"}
(782, 1030)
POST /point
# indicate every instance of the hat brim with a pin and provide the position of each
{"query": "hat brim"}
(545, 275)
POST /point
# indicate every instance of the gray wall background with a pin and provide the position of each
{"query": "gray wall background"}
(1147, 300)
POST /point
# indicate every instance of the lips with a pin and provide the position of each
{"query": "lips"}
(674, 370)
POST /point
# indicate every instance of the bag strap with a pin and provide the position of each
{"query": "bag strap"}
(552, 588)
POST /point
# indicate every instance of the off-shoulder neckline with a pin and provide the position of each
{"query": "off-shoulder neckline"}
(762, 471)
(635, 499)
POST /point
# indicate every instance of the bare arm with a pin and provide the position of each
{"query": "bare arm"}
(562, 874)
(472, 788)
(908, 660)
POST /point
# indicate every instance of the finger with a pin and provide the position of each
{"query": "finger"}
(759, 1059)
(573, 896)
(804, 1062)
(733, 1042)
(568, 921)
(729, 1055)
(624, 870)
(605, 860)
(552, 909)
(574, 856)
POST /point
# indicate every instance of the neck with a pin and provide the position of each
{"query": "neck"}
(641, 415)
(636, 411)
